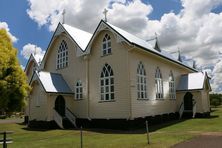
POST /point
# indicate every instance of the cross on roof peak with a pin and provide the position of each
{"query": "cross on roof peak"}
(105, 14)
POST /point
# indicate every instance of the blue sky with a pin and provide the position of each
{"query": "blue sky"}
(195, 27)
(21, 26)
(28, 31)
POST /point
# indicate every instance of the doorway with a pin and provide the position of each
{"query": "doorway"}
(188, 101)
(60, 105)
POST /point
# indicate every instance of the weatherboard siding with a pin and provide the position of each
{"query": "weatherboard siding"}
(152, 106)
(75, 71)
(196, 96)
(205, 101)
(119, 108)
(38, 110)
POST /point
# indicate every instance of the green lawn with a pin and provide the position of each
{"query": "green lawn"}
(165, 135)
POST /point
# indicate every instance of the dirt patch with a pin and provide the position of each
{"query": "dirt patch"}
(212, 134)
(206, 140)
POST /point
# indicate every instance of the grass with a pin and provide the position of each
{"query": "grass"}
(163, 135)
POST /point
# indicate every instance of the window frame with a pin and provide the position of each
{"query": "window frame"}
(78, 90)
(106, 45)
(172, 89)
(141, 82)
(62, 56)
(159, 84)
(107, 89)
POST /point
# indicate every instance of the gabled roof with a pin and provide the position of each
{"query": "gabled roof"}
(38, 58)
(132, 39)
(53, 82)
(193, 81)
(84, 40)
(35, 58)
(79, 36)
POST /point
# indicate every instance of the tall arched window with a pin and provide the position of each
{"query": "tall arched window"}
(141, 82)
(62, 56)
(172, 90)
(79, 91)
(106, 49)
(107, 83)
(159, 84)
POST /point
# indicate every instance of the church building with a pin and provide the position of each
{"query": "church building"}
(111, 75)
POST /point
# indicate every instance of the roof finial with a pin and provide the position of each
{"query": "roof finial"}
(105, 14)
(179, 56)
(35, 52)
(63, 16)
(155, 35)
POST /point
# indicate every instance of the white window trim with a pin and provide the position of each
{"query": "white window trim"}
(78, 90)
(159, 84)
(105, 89)
(107, 43)
(172, 90)
(62, 56)
(141, 82)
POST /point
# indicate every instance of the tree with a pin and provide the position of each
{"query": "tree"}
(13, 82)
(215, 99)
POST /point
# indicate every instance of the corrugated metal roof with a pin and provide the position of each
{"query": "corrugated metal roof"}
(53, 82)
(38, 58)
(81, 37)
(132, 38)
(191, 81)
(147, 45)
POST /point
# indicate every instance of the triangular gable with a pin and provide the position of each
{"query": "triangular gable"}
(79, 37)
(31, 59)
(52, 82)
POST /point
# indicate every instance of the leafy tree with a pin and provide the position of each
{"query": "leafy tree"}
(215, 99)
(13, 86)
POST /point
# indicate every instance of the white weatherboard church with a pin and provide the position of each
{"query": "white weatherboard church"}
(111, 74)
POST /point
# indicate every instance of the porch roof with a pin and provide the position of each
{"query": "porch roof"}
(53, 82)
(191, 81)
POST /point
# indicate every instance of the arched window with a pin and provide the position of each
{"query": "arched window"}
(106, 49)
(159, 84)
(79, 91)
(172, 91)
(107, 83)
(62, 56)
(141, 82)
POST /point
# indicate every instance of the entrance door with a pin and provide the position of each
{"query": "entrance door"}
(60, 105)
(188, 101)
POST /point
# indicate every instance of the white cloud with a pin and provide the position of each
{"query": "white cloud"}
(4, 25)
(86, 14)
(195, 29)
(132, 16)
(29, 49)
(23, 67)
(217, 77)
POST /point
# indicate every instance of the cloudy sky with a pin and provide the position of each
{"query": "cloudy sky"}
(193, 26)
